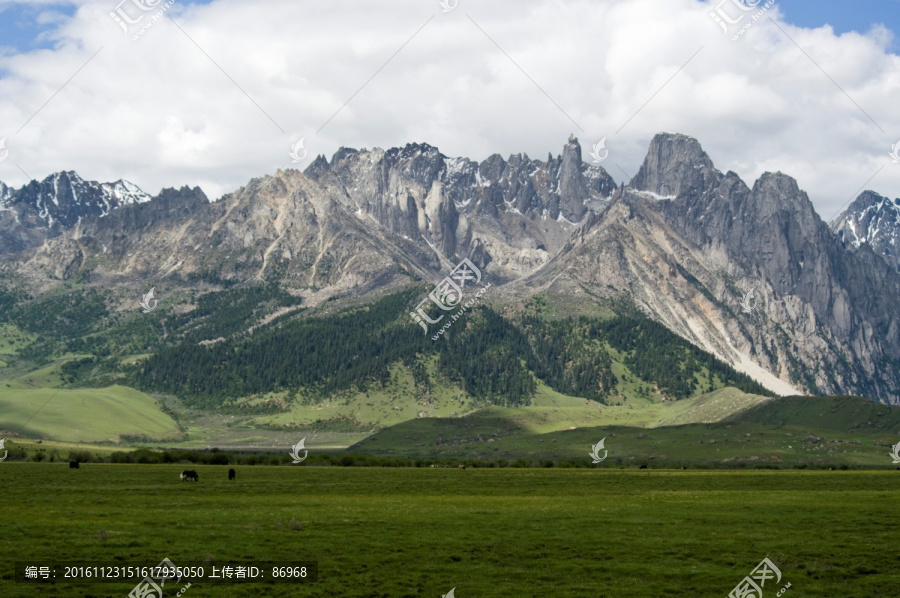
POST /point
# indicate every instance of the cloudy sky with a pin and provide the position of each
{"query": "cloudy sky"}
(214, 93)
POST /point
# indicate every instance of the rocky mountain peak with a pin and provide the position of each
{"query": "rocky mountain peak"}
(342, 156)
(40, 210)
(5, 195)
(317, 167)
(871, 220)
(419, 162)
(777, 182)
(673, 164)
(777, 198)
(65, 197)
(869, 199)
(573, 188)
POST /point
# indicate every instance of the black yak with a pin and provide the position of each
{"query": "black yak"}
(189, 475)
(73, 465)
(231, 474)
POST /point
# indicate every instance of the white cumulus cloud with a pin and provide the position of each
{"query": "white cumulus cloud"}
(220, 92)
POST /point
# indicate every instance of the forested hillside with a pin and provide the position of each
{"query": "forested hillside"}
(492, 357)
(212, 349)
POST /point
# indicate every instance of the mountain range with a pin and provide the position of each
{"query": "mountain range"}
(750, 274)
(873, 221)
(28, 216)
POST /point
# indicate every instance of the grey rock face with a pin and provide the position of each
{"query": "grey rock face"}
(286, 227)
(871, 221)
(573, 187)
(675, 164)
(421, 209)
(514, 213)
(772, 234)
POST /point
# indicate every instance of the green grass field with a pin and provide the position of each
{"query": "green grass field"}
(84, 415)
(487, 532)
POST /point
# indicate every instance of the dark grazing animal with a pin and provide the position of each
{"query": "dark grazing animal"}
(189, 475)
(73, 465)
(643, 467)
(231, 474)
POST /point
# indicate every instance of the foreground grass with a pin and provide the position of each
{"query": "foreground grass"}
(487, 532)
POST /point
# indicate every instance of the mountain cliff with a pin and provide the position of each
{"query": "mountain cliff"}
(514, 213)
(750, 274)
(688, 243)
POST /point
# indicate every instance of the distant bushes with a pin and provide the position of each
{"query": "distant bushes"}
(218, 457)
(341, 459)
(81, 456)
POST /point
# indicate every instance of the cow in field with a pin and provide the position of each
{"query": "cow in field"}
(73, 465)
(231, 474)
(189, 475)
(643, 467)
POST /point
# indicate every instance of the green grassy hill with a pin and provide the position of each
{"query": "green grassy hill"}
(554, 412)
(759, 436)
(711, 407)
(838, 414)
(85, 415)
